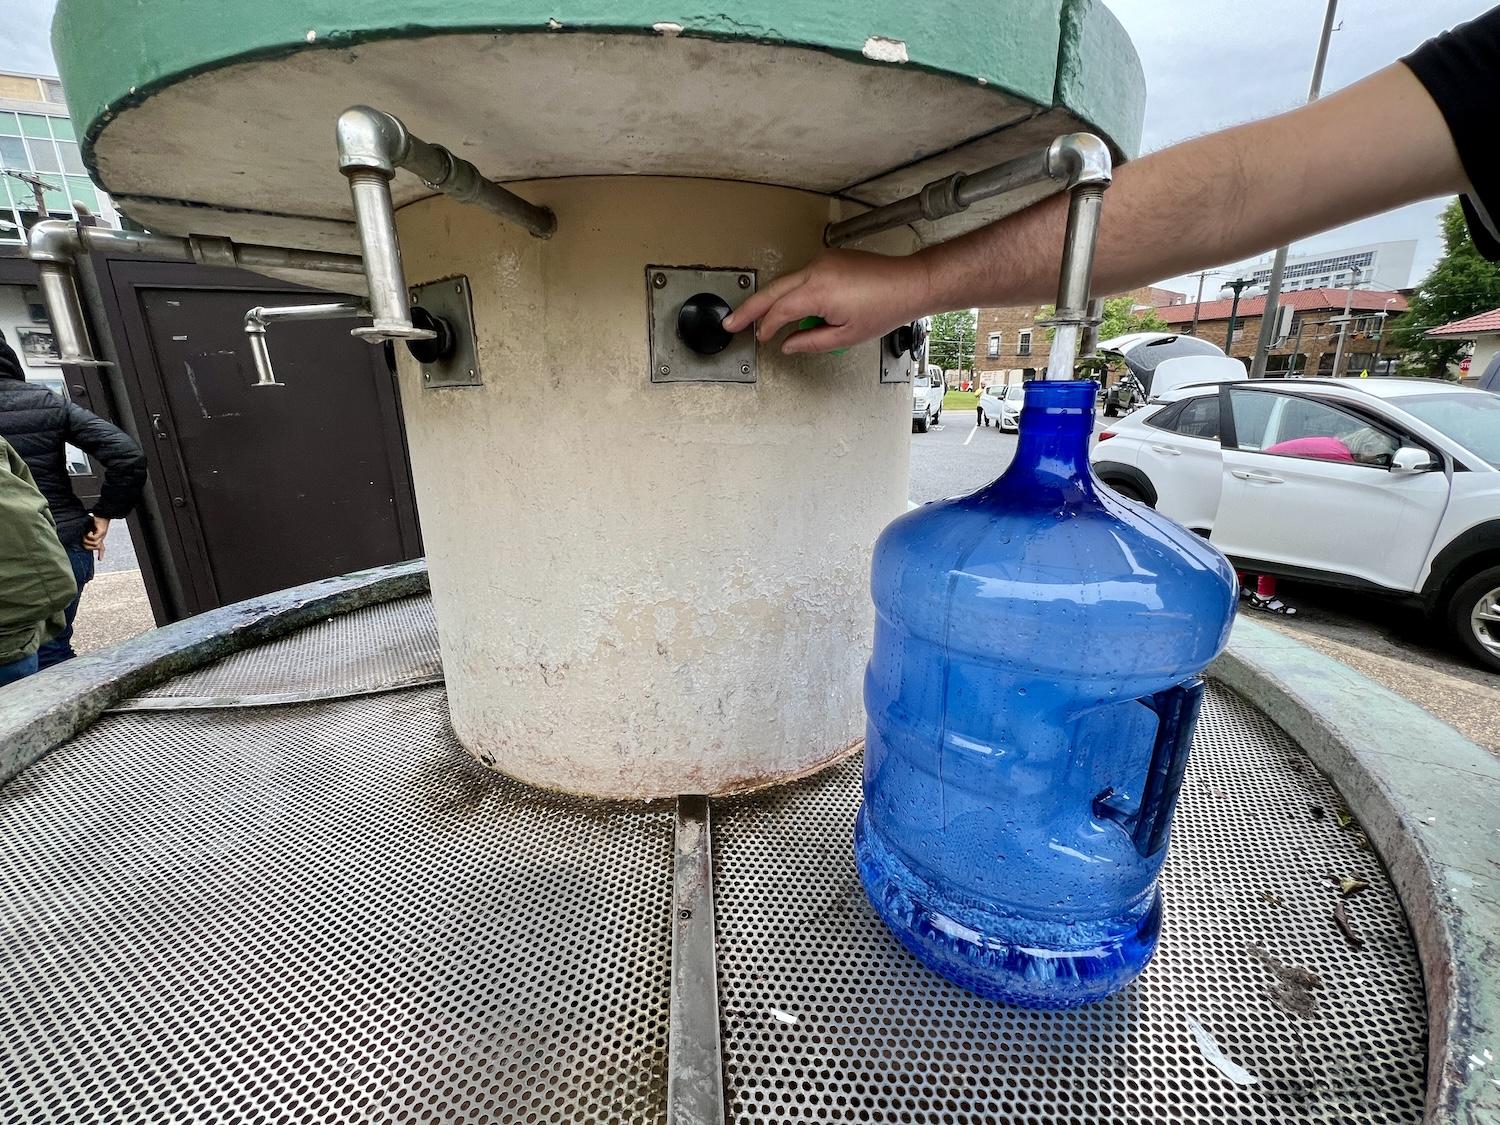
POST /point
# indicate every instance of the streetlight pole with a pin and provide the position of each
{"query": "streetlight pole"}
(1239, 285)
(1278, 265)
(1380, 335)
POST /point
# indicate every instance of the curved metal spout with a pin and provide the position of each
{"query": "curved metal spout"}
(55, 244)
(261, 317)
(372, 144)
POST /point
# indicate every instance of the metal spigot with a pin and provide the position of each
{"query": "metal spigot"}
(261, 317)
(372, 144)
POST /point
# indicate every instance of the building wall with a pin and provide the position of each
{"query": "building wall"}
(1384, 265)
(1485, 349)
(1315, 344)
(1013, 365)
(37, 137)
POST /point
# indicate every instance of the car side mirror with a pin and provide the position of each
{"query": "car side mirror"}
(1411, 459)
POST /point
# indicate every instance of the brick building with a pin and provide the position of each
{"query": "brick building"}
(1310, 339)
(1010, 346)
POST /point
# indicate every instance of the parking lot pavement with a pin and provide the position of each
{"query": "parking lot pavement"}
(1394, 646)
(1399, 648)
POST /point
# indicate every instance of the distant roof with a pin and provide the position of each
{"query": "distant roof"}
(1469, 326)
(1303, 300)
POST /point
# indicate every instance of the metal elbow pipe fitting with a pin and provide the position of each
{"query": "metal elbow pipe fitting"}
(261, 317)
(372, 144)
(1079, 159)
(52, 245)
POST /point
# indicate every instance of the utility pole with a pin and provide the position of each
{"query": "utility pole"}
(1338, 354)
(1198, 304)
(38, 186)
(1239, 285)
(1278, 265)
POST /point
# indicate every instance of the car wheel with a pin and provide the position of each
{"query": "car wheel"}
(920, 425)
(1111, 411)
(1473, 616)
(1129, 491)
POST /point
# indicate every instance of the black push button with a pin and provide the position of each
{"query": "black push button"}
(437, 349)
(700, 323)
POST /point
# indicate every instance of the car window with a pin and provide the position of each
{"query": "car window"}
(1166, 417)
(1316, 431)
(1471, 418)
(1251, 411)
(1198, 417)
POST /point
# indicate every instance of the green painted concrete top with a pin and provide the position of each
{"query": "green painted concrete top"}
(1071, 54)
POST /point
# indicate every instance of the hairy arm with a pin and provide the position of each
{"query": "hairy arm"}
(1228, 195)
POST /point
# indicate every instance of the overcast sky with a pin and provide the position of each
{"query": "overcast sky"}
(1209, 63)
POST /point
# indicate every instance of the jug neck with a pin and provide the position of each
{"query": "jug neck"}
(1057, 420)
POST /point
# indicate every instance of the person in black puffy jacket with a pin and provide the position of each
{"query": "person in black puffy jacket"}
(38, 422)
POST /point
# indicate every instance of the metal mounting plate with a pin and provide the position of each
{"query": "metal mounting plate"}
(448, 297)
(895, 368)
(672, 361)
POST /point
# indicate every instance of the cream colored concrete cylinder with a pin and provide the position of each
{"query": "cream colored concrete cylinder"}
(645, 589)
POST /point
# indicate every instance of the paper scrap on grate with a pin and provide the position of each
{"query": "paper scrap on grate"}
(783, 1017)
(1225, 1066)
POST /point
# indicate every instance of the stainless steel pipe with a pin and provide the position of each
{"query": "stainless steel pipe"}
(54, 244)
(261, 317)
(941, 198)
(1074, 158)
(372, 144)
(1079, 241)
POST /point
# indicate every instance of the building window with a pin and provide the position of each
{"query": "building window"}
(45, 147)
(993, 351)
(1023, 342)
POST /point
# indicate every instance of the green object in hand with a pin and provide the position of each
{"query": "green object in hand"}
(817, 322)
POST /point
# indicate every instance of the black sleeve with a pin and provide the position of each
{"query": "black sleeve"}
(1461, 70)
(124, 463)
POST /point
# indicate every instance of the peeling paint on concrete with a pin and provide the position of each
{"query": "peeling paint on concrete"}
(881, 49)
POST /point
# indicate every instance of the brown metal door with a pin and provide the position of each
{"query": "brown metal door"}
(271, 486)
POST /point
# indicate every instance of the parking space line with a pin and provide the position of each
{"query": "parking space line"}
(972, 432)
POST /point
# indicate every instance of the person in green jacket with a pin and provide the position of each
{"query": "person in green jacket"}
(36, 579)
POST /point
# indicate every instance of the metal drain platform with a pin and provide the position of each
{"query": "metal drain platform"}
(376, 648)
(326, 912)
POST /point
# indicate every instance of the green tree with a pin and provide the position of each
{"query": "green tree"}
(1461, 284)
(951, 341)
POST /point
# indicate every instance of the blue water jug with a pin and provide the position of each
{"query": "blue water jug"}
(1031, 698)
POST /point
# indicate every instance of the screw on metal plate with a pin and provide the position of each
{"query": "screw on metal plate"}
(685, 307)
(448, 299)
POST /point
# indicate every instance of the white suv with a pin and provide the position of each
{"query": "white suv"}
(927, 391)
(1390, 486)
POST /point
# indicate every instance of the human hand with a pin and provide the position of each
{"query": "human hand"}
(93, 538)
(859, 296)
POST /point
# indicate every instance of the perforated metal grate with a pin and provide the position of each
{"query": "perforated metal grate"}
(375, 648)
(826, 1018)
(323, 913)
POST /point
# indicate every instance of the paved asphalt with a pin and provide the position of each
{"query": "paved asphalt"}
(1394, 646)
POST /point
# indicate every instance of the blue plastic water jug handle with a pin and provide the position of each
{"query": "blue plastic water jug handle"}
(1176, 716)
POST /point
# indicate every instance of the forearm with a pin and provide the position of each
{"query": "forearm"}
(1222, 197)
